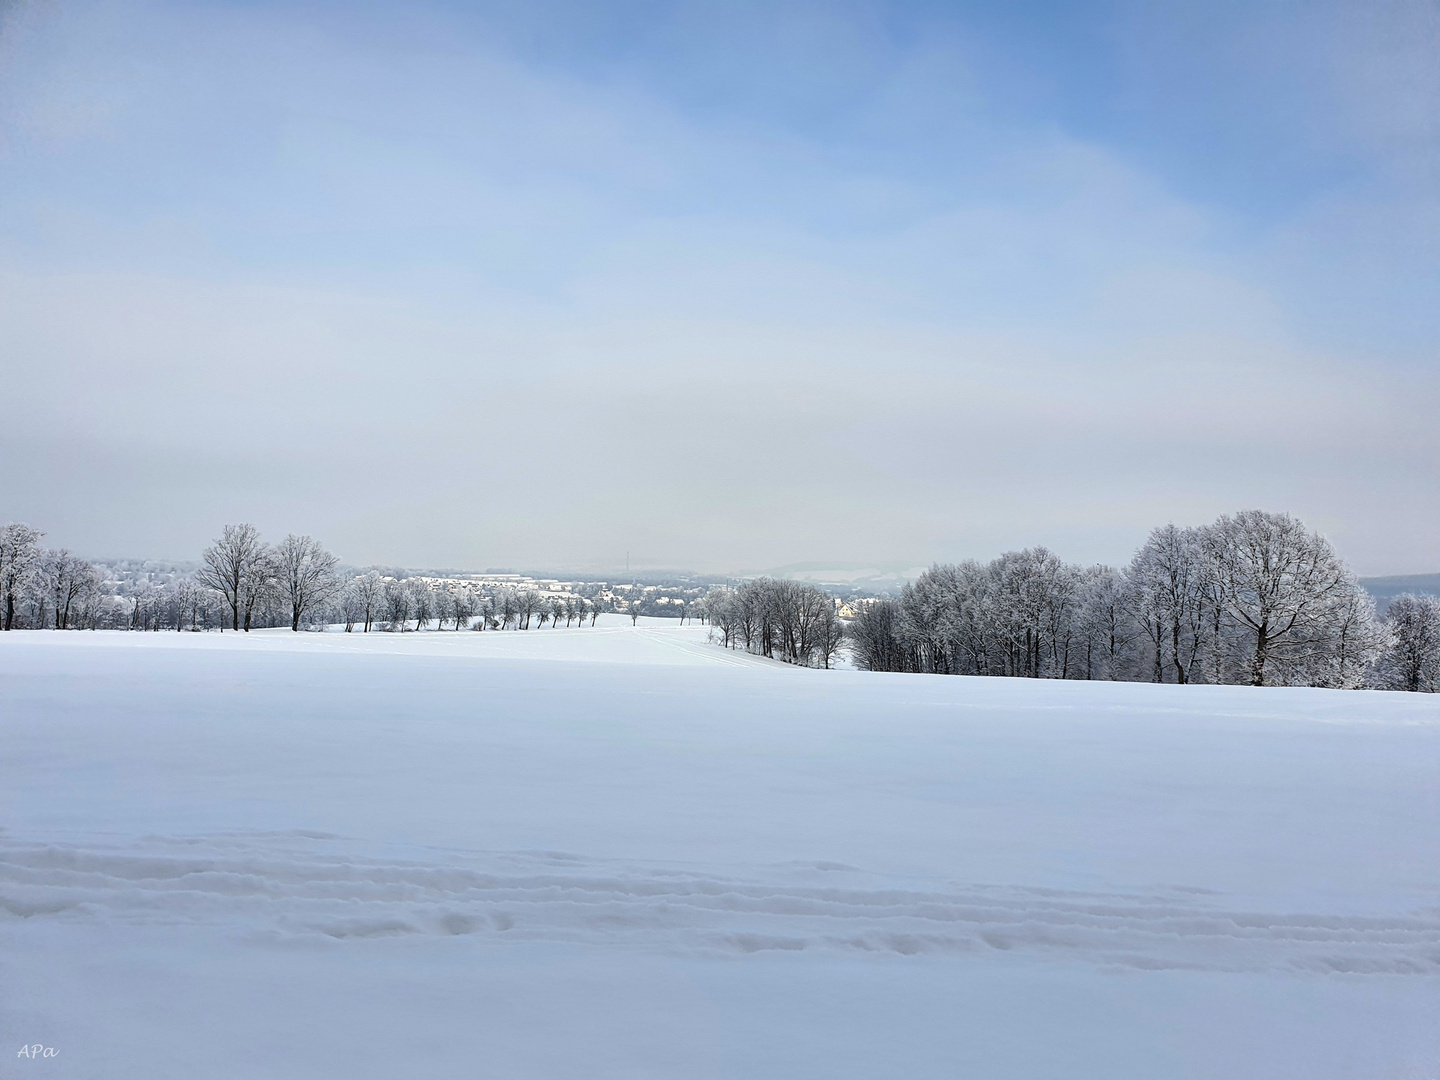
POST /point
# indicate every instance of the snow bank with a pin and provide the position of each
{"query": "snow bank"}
(620, 851)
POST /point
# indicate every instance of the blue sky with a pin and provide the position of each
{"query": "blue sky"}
(726, 286)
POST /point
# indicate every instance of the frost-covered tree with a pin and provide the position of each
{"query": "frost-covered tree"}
(875, 638)
(396, 605)
(1167, 598)
(462, 608)
(306, 574)
(422, 602)
(527, 604)
(1412, 659)
(1102, 624)
(782, 619)
(1281, 582)
(63, 579)
(1253, 598)
(367, 595)
(259, 589)
(507, 608)
(488, 615)
(237, 567)
(19, 550)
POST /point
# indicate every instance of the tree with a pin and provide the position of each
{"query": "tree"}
(19, 549)
(1412, 661)
(352, 610)
(462, 607)
(397, 605)
(1279, 579)
(233, 567)
(368, 592)
(830, 634)
(64, 579)
(721, 611)
(1103, 625)
(1355, 640)
(258, 587)
(875, 636)
(485, 606)
(507, 608)
(422, 602)
(1166, 579)
(306, 573)
(526, 604)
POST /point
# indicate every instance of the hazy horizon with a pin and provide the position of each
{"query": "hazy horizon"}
(727, 287)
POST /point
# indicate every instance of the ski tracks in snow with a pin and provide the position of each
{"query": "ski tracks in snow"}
(305, 885)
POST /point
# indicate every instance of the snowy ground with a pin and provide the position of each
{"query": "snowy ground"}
(622, 852)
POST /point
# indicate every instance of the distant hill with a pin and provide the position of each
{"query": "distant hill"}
(1385, 589)
(884, 579)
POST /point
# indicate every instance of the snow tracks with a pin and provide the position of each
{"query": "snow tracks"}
(296, 886)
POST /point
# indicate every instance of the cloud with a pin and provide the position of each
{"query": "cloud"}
(444, 296)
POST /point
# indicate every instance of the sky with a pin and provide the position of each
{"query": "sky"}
(724, 286)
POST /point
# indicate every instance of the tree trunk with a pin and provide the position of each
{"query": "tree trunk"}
(1257, 665)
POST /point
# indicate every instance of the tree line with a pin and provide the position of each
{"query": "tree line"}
(784, 620)
(244, 583)
(1253, 598)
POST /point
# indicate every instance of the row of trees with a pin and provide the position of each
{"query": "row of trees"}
(785, 620)
(245, 572)
(371, 601)
(39, 587)
(1252, 598)
(244, 583)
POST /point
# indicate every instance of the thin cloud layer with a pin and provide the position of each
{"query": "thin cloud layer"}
(722, 288)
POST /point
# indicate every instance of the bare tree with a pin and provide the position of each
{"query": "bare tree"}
(527, 602)
(368, 591)
(306, 573)
(422, 602)
(1167, 582)
(232, 568)
(259, 586)
(1103, 624)
(462, 608)
(829, 633)
(875, 637)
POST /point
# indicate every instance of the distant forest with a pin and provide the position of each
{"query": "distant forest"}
(1254, 598)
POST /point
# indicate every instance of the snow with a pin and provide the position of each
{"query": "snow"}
(624, 852)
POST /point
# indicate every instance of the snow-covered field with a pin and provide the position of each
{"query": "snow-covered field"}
(622, 852)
